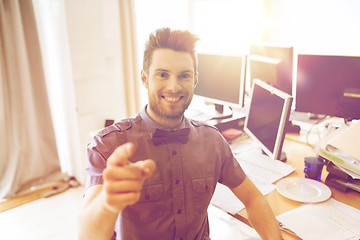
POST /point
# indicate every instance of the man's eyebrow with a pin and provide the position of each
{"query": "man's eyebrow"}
(161, 70)
(165, 70)
(188, 71)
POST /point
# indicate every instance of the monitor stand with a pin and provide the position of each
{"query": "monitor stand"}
(207, 111)
(222, 112)
(282, 156)
(292, 128)
(314, 116)
(219, 108)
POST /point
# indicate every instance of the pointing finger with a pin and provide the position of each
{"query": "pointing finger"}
(139, 170)
(121, 154)
(147, 167)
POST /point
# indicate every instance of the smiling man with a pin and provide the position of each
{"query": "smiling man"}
(152, 176)
(170, 81)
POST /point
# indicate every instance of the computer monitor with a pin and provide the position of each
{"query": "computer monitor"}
(328, 85)
(221, 79)
(272, 64)
(268, 113)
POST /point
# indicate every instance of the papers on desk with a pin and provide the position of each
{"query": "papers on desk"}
(261, 169)
(224, 226)
(343, 160)
(347, 139)
(333, 219)
(224, 198)
(342, 148)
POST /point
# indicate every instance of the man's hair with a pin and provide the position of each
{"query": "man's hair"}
(176, 40)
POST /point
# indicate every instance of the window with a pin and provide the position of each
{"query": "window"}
(224, 26)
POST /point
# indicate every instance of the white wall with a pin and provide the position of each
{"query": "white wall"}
(94, 40)
(314, 26)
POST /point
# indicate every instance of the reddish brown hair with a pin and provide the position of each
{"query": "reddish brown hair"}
(176, 40)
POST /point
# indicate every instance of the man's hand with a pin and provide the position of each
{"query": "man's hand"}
(123, 180)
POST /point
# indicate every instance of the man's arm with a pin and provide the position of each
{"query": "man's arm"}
(259, 211)
(96, 221)
(122, 186)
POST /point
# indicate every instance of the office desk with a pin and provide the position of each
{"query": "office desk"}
(296, 151)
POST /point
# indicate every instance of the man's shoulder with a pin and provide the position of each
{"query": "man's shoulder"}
(113, 136)
(118, 127)
(198, 123)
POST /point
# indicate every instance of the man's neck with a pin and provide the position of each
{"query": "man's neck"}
(163, 121)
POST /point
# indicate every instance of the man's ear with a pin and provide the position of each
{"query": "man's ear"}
(196, 78)
(144, 79)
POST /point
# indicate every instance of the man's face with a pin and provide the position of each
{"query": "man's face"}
(170, 83)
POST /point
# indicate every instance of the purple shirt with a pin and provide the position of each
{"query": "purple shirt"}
(174, 200)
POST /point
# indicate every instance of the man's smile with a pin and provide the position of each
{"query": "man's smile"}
(172, 99)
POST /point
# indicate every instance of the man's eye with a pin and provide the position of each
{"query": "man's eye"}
(162, 75)
(185, 75)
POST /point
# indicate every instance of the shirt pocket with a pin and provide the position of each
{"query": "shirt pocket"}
(203, 189)
(151, 193)
(149, 206)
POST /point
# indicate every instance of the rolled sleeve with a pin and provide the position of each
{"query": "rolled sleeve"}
(99, 150)
(232, 175)
(95, 166)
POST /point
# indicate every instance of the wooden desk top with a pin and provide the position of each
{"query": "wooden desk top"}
(296, 151)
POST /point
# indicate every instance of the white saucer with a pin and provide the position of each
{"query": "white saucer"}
(303, 190)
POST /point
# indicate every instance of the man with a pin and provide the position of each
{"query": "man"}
(148, 185)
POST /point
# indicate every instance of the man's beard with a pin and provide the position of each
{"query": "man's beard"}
(156, 107)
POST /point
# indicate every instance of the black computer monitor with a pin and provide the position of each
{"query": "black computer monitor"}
(221, 79)
(272, 64)
(268, 114)
(328, 85)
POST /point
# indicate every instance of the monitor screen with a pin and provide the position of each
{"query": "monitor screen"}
(268, 113)
(272, 64)
(221, 78)
(328, 85)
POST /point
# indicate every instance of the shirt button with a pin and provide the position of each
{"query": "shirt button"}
(179, 211)
(174, 153)
(147, 197)
(177, 181)
(128, 124)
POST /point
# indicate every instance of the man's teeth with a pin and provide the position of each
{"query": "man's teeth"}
(172, 99)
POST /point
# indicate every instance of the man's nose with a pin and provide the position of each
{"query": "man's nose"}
(174, 84)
